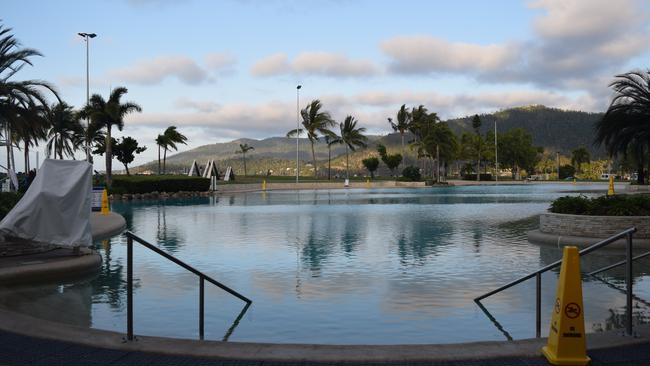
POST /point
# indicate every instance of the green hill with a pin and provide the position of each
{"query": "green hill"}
(552, 128)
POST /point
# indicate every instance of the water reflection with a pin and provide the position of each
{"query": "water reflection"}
(341, 266)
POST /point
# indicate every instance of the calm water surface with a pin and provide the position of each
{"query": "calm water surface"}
(390, 266)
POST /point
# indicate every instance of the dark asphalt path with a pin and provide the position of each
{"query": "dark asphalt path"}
(23, 350)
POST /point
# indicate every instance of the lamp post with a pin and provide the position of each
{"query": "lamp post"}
(496, 152)
(297, 128)
(86, 37)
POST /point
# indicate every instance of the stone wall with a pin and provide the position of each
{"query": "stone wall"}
(593, 226)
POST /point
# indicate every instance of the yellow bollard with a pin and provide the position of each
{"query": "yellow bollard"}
(105, 207)
(264, 185)
(566, 339)
(610, 189)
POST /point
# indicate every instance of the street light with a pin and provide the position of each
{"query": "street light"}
(86, 37)
(496, 152)
(297, 128)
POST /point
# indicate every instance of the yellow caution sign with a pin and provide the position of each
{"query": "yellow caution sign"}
(367, 183)
(610, 190)
(105, 207)
(574, 181)
(264, 185)
(566, 339)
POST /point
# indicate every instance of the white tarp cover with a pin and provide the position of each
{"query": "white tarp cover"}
(56, 207)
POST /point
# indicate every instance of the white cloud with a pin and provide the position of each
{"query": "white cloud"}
(220, 61)
(154, 71)
(275, 64)
(314, 63)
(576, 43)
(426, 54)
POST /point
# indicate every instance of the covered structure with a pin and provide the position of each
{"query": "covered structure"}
(55, 210)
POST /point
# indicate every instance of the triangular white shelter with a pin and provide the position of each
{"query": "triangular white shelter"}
(210, 170)
(56, 207)
(195, 171)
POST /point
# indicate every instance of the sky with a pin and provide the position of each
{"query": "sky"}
(222, 70)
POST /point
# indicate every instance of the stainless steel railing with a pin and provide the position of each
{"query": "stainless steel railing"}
(538, 281)
(130, 237)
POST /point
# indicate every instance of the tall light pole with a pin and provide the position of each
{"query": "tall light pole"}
(496, 152)
(86, 37)
(297, 128)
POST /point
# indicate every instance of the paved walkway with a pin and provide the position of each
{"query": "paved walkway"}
(24, 350)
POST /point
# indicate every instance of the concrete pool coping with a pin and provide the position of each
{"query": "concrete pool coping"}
(538, 237)
(25, 325)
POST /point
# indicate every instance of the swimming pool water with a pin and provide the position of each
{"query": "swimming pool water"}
(381, 266)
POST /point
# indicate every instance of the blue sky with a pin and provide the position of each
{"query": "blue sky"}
(221, 70)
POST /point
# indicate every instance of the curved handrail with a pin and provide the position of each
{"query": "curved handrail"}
(538, 275)
(130, 237)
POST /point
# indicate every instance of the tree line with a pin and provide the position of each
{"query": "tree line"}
(27, 118)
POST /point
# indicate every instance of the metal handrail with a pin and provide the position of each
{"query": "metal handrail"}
(538, 279)
(130, 237)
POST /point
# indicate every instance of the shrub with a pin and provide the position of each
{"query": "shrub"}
(483, 176)
(158, 183)
(411, 173)
(7, 201)
(618, 205)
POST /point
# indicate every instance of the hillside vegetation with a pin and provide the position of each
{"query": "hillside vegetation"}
(554, 129)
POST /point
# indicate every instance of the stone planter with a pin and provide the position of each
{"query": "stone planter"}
(583, 230)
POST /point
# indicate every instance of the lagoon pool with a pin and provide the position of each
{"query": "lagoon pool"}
(380, 266)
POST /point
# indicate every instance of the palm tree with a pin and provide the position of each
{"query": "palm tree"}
(64, 125)
(331, 139)
(17, 98)
(579, 156)
(92, 133)
(403, 123)
(314, 122)
(624, 129)
(109, 113)
(243, 149)
(29, 128)
(171, 138)
(161, 142)
(352, 137)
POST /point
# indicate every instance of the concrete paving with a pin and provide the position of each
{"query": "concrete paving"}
(24, 330)
(18, 349)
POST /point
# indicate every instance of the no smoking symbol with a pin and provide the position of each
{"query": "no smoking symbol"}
(572, 310)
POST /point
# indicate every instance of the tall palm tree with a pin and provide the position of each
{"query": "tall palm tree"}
(64, 124)
(243, 149)
(109, 113)
(161, 142)
(476, 125)
(314, 122)
(352, 137)
(17, 96)
(403, 123)
(624, 129)
(91, 134)
(331, 139)
(29, 128)
(171, 138)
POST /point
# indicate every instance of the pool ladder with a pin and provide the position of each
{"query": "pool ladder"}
(130, 237)
(627, 234)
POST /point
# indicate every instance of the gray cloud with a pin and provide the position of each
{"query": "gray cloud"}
(314, 63)
(154, 71)
(576, 44)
